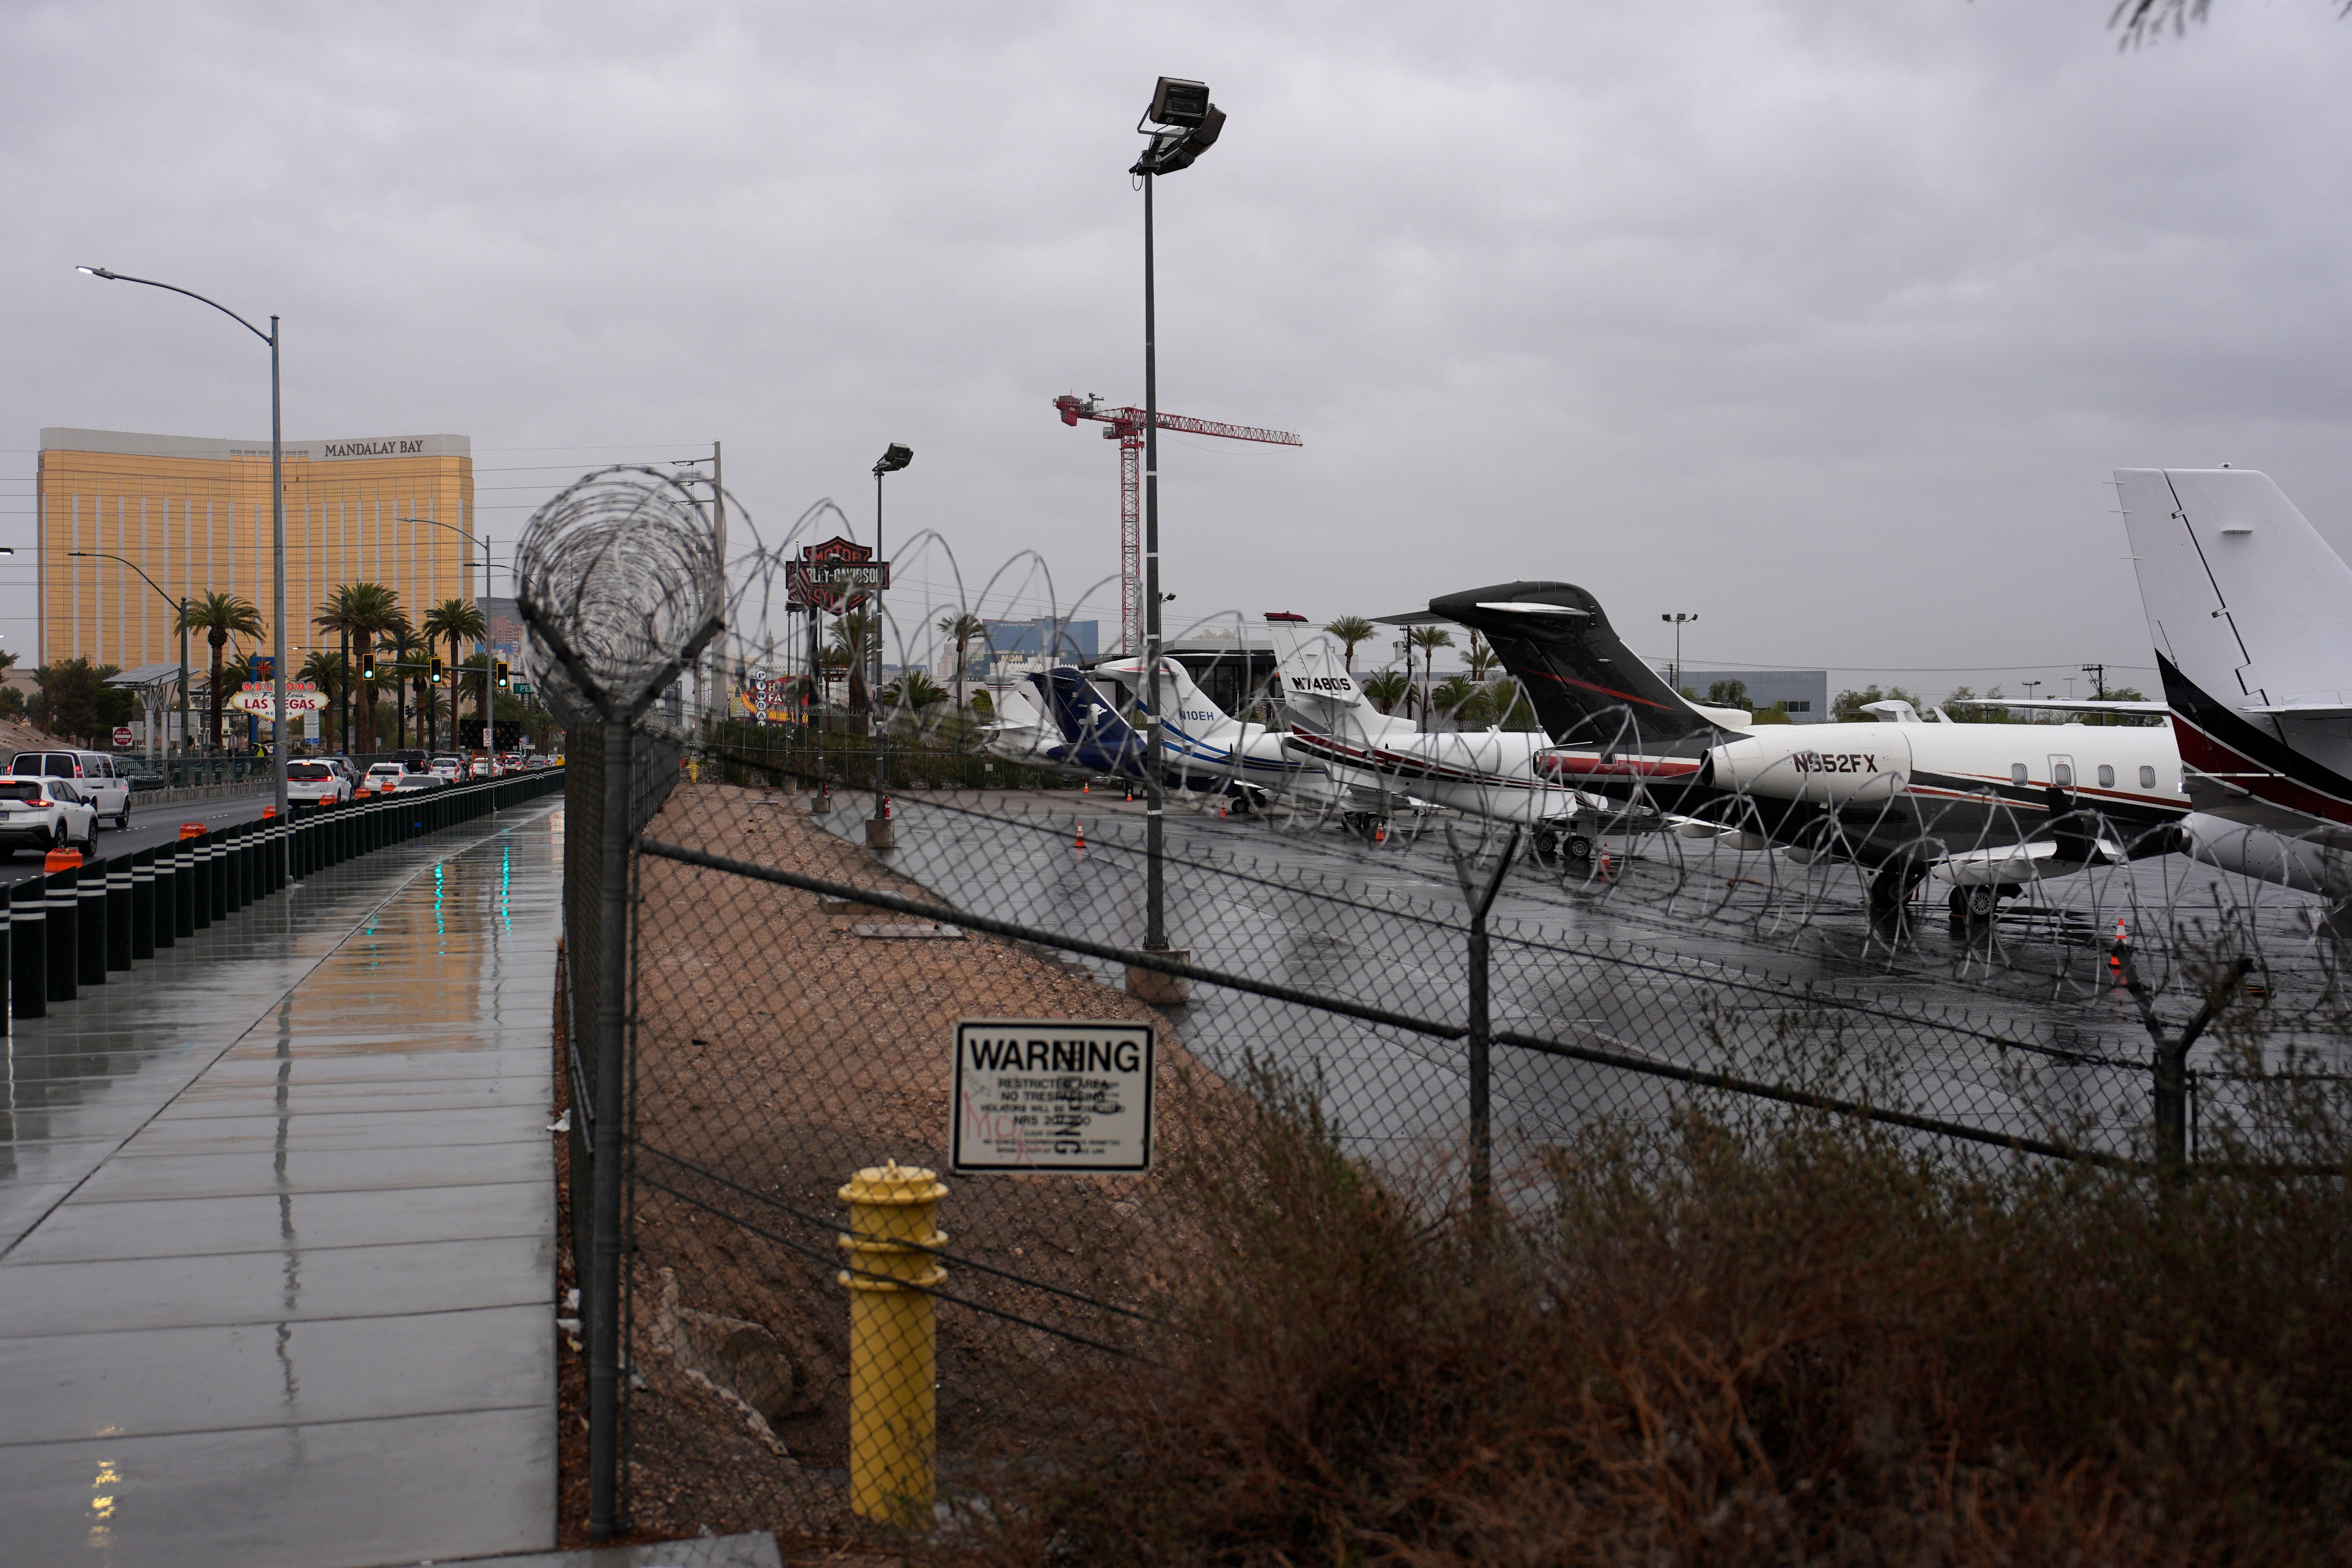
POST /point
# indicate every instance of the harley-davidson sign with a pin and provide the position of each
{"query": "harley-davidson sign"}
(834, 577)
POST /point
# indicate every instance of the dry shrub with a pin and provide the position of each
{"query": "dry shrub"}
(1735, 1340)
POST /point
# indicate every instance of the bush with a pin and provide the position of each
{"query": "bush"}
(1724, 1341)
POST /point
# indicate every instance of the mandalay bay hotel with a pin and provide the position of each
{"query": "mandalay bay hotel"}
(193, 515)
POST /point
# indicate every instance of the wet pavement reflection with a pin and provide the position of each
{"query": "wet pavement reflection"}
(277, 1227)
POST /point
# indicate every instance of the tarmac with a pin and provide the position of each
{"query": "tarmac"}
(277, 1228)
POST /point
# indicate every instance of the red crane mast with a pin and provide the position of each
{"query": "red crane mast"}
(1126, 428)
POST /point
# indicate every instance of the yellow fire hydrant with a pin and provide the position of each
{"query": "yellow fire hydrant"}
(893, 1341)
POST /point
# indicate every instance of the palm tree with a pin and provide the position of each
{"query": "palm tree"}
(1482, 659)
(326, 671)
(1386, 687)
(1429, 639)
(1452, 696)
(363, 611)
(963, 631)
(1352, 630)
(401, 646)
(856, 638)
(913, 691)
(219, 616)
(459, 620)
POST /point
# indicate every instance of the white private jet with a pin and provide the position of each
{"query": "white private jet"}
(1987, 807)
(1385, 761)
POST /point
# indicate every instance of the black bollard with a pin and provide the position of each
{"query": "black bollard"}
(120, 938)
(142, 905)
(90, 944)
(65, 942)
(28, 962)
(205, 849)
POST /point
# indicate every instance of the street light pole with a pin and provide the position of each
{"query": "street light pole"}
(110, 555)
(877, 830)
(1193, 125)
(1679, 620)
(278, 507)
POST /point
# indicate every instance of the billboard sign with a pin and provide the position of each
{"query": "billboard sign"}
(834, 577)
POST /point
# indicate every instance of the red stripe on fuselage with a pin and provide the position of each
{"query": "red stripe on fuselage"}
(2206, 754)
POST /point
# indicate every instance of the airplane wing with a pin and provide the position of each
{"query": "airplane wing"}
(2068, 705)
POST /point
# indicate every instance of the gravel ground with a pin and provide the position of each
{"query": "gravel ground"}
(781, 1050)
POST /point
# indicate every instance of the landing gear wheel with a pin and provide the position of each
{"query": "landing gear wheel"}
(1975, 906)
(1544, 845)
(1579, 848)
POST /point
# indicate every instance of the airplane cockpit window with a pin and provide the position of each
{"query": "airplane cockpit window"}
(2147, 778)
(2106, 776)
(2017, 773)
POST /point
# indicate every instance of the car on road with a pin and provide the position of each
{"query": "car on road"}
(448, 770)
(316, 783)
(107, 785)
(400, 778)
(39, 812)
(483, 768)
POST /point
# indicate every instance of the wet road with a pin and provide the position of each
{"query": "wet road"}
(149, 825)
(277, 1226)
(1685, 959)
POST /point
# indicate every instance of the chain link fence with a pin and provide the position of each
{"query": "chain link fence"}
(796, 1310)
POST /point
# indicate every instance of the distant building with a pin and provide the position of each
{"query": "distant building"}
(1057, 642)
(505, 624)
(1802, 694)
(193, 514)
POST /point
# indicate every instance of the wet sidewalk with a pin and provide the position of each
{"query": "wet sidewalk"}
(276, 1228)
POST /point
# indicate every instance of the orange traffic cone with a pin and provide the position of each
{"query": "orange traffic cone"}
(1087, 788)
(1379, 833)
(1082, 836)
(1606, 872)
(2115, 960)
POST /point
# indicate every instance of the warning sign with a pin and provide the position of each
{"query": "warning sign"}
(1051, 1094)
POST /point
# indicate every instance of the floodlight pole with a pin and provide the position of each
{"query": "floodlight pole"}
(1155, 788)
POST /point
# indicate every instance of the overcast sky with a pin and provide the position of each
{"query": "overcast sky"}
(1825, 321)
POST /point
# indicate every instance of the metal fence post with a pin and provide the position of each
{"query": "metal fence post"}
(1479, 893)
(602, 1301)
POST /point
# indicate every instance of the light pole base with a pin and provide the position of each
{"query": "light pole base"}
(1161, 989)
(819, 805)
(881, 833)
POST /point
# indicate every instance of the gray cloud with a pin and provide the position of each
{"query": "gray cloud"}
(1826, 320)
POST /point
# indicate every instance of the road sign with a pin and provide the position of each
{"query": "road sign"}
(122, 736)
(1051, 1094)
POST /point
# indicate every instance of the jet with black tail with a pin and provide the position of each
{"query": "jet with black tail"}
(1987, 807)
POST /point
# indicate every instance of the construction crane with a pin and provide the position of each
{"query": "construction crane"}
(1126, 428)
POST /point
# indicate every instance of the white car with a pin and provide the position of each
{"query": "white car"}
(383, 778)
(484, 768)
(102, 780)
(316, 783)
(448, 770)
(47, 814)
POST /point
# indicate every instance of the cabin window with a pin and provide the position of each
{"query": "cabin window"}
(2062, 775)
(2017, 773)
(2106, 776)
(2147, 778)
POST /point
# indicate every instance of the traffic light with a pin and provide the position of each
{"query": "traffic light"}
(500, 669)
(437, 672)
(367, 666)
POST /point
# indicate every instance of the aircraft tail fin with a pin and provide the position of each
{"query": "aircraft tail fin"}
(1587, 687)
(1078, 710)
(2246, 604)
(1312, 667)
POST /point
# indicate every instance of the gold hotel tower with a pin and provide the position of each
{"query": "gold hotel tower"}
(195, 515)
